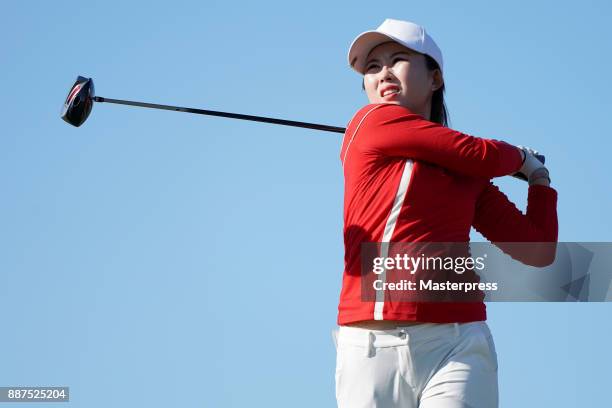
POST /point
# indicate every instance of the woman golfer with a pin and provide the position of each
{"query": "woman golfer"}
(409, 178)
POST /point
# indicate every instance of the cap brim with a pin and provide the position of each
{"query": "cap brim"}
(362, 45)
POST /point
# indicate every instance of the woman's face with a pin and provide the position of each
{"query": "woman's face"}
(397, 75)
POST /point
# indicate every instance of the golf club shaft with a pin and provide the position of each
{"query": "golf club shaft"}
(284, 122)
(224, 114)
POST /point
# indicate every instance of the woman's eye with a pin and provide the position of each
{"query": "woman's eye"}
(374, 66)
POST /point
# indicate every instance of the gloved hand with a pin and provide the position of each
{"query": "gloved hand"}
(533, 166)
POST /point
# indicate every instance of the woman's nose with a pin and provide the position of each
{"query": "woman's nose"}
(385, 73)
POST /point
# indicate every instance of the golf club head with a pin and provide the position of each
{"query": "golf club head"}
(79, 101)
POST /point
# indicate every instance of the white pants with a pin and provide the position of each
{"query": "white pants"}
(427, 365)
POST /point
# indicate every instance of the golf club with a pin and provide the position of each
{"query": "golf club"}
(81, 97)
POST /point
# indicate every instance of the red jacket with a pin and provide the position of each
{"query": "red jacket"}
(411, 180)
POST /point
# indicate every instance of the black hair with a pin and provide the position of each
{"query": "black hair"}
(439, 112)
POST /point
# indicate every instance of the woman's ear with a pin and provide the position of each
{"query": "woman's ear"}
(437, 80)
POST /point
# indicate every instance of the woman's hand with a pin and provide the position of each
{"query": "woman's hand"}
(540, 177)
(533, 169)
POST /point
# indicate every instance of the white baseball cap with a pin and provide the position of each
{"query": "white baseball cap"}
(406, 33)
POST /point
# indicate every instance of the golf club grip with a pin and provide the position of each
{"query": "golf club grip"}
(285, 122)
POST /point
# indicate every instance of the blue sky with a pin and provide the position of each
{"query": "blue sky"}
(159, 259)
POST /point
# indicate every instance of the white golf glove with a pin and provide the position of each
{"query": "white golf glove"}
(532, 168)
